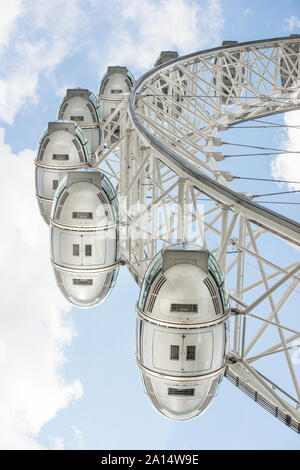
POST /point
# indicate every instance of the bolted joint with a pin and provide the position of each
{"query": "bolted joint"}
(236, 311)
(218, 156)
(226, 175)
(216, 141)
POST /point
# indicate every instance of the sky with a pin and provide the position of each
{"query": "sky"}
(68, 376)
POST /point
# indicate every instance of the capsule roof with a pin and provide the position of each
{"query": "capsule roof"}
(82, 189)
(62, 147)
(113, 77)
(165, 56)
(229, 43)
(184, 284)
(80, 105)
(63, 144)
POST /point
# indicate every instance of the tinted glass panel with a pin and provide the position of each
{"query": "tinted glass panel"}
(75, 250)
(190, 353)
(181, 391)
(82, 215)
(174, 352)
(60, 156)
(88, 250)
(83, 282)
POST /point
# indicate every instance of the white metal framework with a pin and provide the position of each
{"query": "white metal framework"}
(159, 149)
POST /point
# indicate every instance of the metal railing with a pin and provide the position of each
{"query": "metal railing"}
(262, 401)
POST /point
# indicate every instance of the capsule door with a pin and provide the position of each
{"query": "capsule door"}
(197, 352)
(183, 352)
(93, 250)
(167, 351)
(79, 250)
(69, 249)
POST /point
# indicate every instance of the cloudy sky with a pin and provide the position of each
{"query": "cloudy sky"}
(68, 377)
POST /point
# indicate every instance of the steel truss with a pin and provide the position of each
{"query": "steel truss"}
(158, 147)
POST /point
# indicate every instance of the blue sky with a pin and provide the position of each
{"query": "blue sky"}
(69, 377)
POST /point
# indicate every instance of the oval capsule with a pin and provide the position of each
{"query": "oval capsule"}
(289, 64)
(62, 147)
(81, 105)
(229, 76)
(84, 237)
(116, 81)
(182, 330)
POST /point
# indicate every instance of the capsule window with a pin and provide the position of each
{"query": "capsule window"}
(181, 392)
(60, 156)
(54, 184)
(82, 215)
(83, 282)
(184, 308)
(77, 118)
(88, 250)
(191, 353)
(75, 250)
(174, 352)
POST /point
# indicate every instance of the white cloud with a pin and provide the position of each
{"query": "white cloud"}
(8, 18)
(61, 90)
(78, 435)
(46, 34)
(249, 11)
(293, 22)
(287, 166)
(33, 322)
(146, 27)
(57, 443)
(38, 36)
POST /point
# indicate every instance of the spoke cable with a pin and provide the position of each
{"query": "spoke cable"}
(260, 147)
(265, 179)
(278, 202)
(277, 193)
(254, 154)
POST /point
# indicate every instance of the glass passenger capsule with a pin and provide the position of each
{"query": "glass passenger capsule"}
(165, 56)
(81, 105)
(182, 330)
(84, 237)
(62, 147)
(170, 92)
(229, 76)
(116, 81)
(289, 64)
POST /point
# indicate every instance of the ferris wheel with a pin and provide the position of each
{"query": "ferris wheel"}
(163, 205)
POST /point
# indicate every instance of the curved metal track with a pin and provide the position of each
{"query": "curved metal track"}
(268, 218)
(158, 146)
